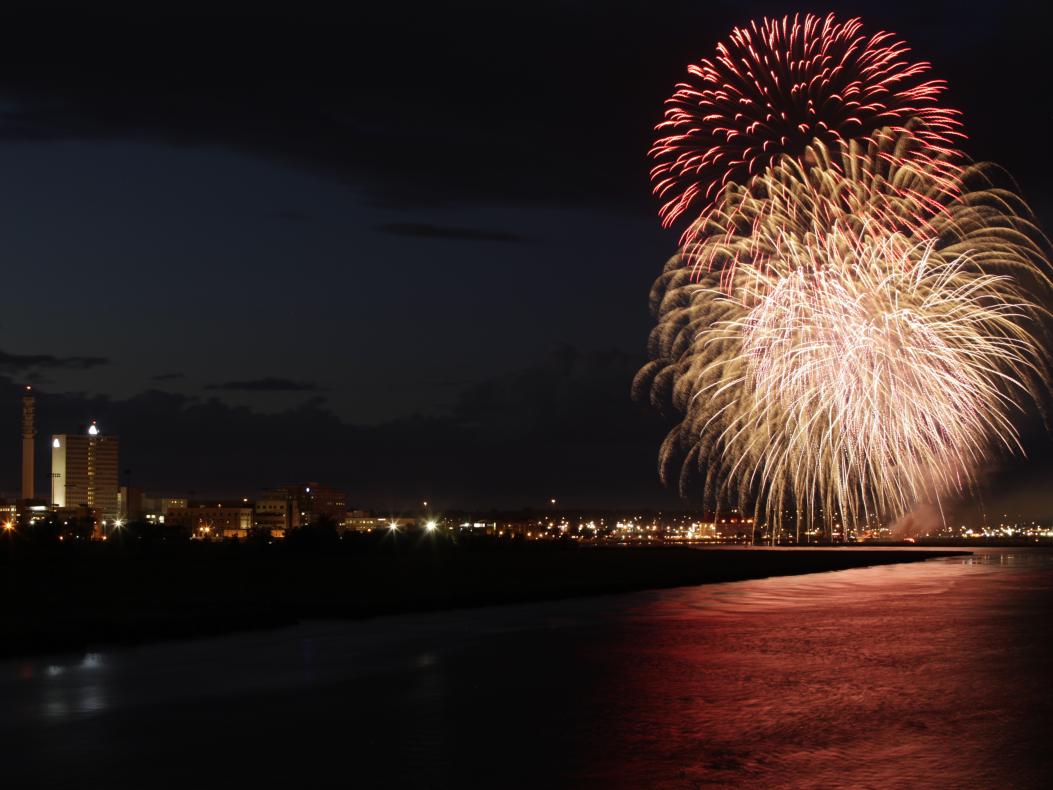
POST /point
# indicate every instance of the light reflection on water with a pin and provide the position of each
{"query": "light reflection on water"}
(927, 674)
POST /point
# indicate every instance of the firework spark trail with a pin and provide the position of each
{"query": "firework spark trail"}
(858, 338)
(877, 383)
(875, 186)
(774, 88)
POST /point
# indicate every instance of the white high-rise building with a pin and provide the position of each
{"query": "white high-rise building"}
(85, 470)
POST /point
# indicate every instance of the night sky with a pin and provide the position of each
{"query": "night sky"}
(405, 250)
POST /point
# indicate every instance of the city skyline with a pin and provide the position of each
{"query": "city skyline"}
(392, 470)
(277, 508)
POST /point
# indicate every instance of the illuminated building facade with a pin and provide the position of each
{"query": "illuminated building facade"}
(157, 508)
(276, 513)
(84, 472)
(363, 521)
(316, 501)
(213, 521)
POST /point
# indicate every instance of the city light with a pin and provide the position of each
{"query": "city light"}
(431, 526)
(8, 526)
(393, 525)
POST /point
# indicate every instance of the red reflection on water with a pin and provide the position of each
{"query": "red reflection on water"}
(882, 677)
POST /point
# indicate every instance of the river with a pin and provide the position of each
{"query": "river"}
(933, 674)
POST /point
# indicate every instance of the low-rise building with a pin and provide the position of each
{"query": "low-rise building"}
(129, 503)
(315, 501)
(276, 513)
(213, 520)
(155, 509)
(364, 521)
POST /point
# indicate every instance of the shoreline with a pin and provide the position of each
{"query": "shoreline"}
(70, 602)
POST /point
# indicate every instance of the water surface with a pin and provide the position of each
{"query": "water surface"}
(930, 674)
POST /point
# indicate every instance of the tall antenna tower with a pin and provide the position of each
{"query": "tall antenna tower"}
(29, 434)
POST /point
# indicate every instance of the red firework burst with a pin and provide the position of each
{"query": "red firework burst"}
(777, 86)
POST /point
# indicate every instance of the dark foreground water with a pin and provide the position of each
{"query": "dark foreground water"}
(925, 675)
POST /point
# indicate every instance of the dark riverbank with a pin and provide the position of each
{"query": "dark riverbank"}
(64, 600)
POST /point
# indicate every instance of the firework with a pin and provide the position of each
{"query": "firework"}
(875, 384)
(774, 88)
(859, 338)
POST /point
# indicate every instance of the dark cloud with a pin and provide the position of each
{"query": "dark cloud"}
(269, 384)
(422, 230)
(563, 427)
(417, 109)
(452, 102)
(33, 361)
(167, 376)
(290, 215)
